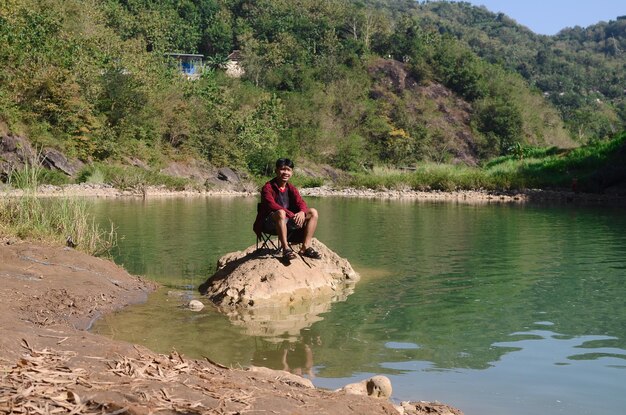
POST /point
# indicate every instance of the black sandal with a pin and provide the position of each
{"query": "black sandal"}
(310, 253)
(288, 255)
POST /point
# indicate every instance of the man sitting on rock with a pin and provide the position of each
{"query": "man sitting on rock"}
(284, 211)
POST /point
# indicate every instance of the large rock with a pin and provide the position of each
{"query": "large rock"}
(15, 153)
(228, 175)
(250, 280)
(55, 160)
(195, 170)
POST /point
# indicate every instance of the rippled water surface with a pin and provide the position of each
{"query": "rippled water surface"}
(495, 309)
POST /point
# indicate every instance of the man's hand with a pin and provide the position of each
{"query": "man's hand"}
(298, 219)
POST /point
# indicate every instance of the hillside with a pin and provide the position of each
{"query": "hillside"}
(354, 85)
(580, 70)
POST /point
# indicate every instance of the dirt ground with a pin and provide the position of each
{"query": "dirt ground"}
(50, 364)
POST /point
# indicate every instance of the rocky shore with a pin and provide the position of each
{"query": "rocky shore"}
(461, 196)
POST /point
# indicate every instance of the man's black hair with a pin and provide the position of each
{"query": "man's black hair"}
(284, 162)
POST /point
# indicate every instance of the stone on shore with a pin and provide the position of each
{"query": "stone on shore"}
(251, 279)
(377, 387)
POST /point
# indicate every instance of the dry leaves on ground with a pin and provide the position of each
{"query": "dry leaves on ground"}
(42, 382)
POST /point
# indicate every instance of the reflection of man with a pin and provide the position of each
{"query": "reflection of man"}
(298, 359)
(283, 209)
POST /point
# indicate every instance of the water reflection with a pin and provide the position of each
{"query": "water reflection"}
(293, 355)
(278, 324)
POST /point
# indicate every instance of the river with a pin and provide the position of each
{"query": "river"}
(492, 308)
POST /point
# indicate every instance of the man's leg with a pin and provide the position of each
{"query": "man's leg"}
(280, 221)
(310, 225)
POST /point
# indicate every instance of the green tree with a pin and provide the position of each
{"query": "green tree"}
(501, 122)
(460, 70)
(259, 135)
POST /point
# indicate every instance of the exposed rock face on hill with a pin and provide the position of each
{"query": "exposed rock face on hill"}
(55, 160)
(16, 152)
(202, 172)
(250, 279)
(445, 116)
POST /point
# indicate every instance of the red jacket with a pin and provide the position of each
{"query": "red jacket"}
(269, 194)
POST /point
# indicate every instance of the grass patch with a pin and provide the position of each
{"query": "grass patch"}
(304, 182)
(426, 177)
(53, 221)
(32, 175)
(593, 166)
(26, 178)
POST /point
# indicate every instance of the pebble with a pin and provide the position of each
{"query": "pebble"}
(195, 305)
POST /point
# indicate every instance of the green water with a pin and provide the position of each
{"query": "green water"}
(495, 309)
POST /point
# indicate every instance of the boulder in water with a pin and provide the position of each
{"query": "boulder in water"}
(251, 279)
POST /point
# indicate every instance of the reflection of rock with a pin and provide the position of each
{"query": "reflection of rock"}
(282, 322)
(376, 387)
(271, 299)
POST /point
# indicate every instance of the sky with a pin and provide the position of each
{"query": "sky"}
(547, 17)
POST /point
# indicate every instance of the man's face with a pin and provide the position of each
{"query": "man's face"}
(284, 173)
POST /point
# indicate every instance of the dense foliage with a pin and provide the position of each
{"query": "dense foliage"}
(92, 78)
